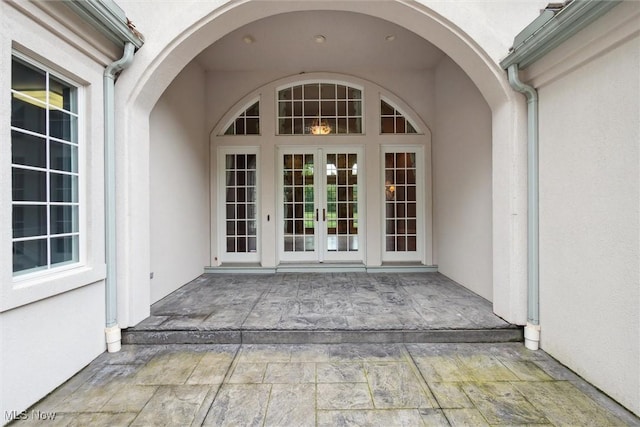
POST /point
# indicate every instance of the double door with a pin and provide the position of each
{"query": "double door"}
(320, 207)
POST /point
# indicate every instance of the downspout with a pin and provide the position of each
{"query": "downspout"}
(112, 330)
(532, 329)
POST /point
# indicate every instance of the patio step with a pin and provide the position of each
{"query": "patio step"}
(500, 335)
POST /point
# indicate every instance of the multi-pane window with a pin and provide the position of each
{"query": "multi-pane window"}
(241, 203)
(401, 214)
(299, 197)
(393, 121)
(45, 172)
(247, 123)
(319, 109)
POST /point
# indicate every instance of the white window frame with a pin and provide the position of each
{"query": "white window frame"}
(347, 84)
(21, 289)
(239, 112)
(401, 113)
(49, 268)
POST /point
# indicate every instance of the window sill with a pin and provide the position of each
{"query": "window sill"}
(23, 292)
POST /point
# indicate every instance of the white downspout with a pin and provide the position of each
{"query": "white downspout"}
(532, 330)
(112, 330)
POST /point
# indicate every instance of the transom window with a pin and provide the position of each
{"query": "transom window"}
(45, 173)
(247, 123)
(320, 108)
(392, 120)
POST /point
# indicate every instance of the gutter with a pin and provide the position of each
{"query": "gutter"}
(556, 24)
(108, 18)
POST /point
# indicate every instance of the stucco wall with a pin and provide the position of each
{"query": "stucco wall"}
(590, 221)
(462, 181)
(179, 193)
(45, 343)
(52, 322)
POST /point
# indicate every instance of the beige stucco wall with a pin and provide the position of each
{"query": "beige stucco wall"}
(179, 181)
(462, 174)
(590, 204)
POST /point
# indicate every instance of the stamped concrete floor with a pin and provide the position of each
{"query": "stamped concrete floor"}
(321, 308)
(327, 385)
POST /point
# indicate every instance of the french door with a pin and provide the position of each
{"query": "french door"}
(320, 207)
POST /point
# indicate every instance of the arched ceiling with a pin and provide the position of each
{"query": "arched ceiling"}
(291, 43)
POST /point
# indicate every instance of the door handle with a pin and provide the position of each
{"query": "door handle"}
(316, 214)
(324, 215)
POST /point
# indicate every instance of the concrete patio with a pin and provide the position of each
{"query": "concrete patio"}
(322, 308)
(327, 385)
(356, 349)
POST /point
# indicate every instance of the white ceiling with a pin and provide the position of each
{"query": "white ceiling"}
(286, 42)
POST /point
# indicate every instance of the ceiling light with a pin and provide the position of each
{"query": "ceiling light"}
(319, 38)
(390, 38)
(248, 39)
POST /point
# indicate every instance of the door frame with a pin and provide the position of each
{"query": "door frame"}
(243, 257)
(320, 253)
(423, 218)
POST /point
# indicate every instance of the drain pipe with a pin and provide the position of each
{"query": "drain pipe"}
(532, 330)
(112, 330)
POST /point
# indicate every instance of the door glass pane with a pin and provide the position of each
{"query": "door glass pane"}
(400, 202)
(240, 198)
(342, 202)
(299, 203)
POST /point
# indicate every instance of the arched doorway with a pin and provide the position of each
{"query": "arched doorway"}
(154, 70)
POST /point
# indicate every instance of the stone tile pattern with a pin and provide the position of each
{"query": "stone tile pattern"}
(329, 385)
(322, 301)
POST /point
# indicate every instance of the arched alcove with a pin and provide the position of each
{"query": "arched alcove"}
(156, 67)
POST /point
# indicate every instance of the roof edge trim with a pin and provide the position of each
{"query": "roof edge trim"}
(547, 32)
(108, 18)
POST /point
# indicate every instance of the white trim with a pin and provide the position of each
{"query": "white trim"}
(22, 279)
(422, 214)
(229, 118)
(346, 83)
(223, 255)
(321, 253)
(22, 289)
(400, 110)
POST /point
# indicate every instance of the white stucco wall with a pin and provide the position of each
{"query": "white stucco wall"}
(462, 184)
(590, 202)
(179, 178)
(45, 343)
(52, 323)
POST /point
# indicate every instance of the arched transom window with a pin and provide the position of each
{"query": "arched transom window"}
(247, 122)
(319, 108)
(392, 120)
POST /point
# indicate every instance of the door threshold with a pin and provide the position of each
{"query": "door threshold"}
(321, 267)
(327, 267)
